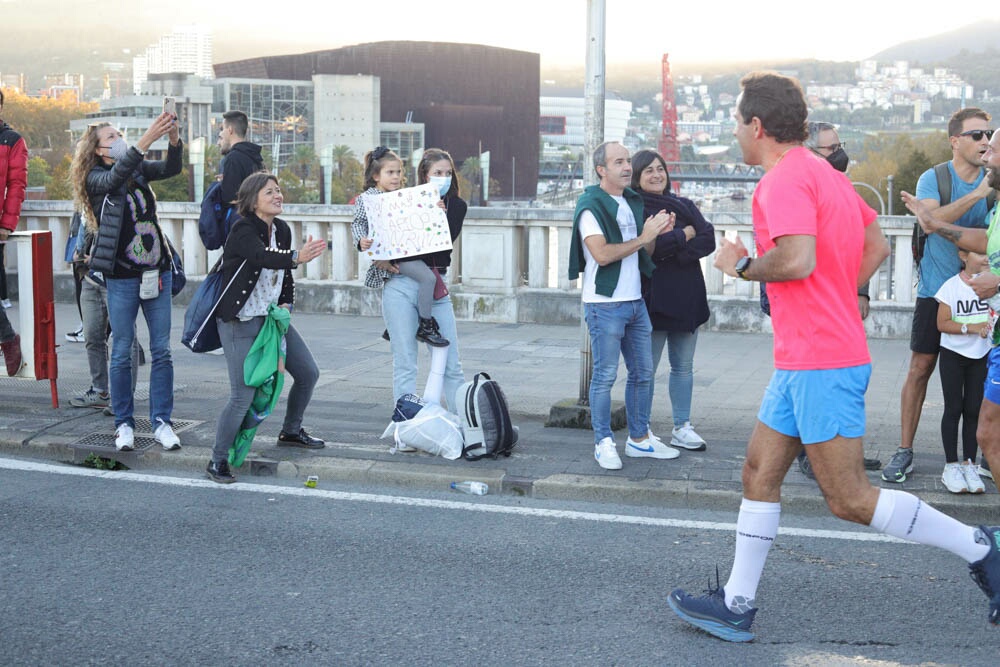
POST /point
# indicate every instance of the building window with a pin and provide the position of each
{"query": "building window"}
(552, 125)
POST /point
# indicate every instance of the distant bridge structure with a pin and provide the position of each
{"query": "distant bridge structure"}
(680, 172)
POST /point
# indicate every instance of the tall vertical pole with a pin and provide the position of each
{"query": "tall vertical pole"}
(593, 136)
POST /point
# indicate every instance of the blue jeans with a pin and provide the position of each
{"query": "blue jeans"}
(123, 310)
(399, 310)
(680, 351)
(620, 328)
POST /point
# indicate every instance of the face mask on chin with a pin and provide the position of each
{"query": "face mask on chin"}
(838, 160)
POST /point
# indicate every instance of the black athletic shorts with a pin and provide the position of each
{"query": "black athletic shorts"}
(924, 336)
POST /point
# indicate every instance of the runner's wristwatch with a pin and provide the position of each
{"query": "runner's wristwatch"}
(741, 267)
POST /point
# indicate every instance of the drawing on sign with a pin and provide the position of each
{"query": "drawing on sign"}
(406, 223)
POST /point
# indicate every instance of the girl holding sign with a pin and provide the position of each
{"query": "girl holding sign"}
(400, 293)
(384, 173)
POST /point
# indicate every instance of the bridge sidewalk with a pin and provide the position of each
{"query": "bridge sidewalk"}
(537, 365)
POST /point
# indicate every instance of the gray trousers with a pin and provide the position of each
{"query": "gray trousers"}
(94, 312)
(237, 338)
(417, 270)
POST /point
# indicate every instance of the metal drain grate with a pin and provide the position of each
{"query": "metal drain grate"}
(143, 425)
(103, 445)
(107, 441)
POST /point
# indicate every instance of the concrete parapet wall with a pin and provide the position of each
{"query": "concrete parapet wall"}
(537, 306)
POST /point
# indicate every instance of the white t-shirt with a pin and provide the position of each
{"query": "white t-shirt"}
(966, 308)
(629, 284)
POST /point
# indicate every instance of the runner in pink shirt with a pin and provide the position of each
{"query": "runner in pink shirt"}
(816, 243)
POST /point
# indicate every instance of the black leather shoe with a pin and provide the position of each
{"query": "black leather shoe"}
(219, 472)
(300, 439)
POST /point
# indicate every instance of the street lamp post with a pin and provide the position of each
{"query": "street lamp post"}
(196, 154)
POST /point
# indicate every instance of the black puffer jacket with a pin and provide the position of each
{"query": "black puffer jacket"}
(106, 188)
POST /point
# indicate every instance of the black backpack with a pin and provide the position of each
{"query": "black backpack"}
(213, 220)
(943, 174)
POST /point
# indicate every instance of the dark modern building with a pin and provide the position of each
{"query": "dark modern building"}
(466, 95)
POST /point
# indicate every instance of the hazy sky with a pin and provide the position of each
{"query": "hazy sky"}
(637, 30)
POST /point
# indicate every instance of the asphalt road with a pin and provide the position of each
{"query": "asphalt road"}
(150, 569)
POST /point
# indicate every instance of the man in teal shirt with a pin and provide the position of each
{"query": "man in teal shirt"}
(969, 133)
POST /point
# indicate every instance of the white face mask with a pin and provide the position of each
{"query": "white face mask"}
(117, 149)
(443, 184)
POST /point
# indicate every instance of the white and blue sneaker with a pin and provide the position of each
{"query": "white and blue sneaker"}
(652, 447)
(606, 455)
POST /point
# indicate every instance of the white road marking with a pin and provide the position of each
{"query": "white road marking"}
(468, 506)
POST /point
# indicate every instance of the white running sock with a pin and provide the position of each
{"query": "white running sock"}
(756, 529)
(905, 516)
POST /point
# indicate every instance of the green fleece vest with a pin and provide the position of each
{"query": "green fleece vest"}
(604, 207)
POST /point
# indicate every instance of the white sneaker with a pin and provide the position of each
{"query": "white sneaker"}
(954, 479)
(606, 455)
(164, 434)
(685, 437)
(124, 438)
(972, 481)
(651, 447)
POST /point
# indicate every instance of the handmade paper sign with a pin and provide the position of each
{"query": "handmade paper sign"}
(406, 222)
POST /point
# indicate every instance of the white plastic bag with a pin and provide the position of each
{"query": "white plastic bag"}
(433, 430)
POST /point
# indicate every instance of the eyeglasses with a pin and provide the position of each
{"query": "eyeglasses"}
(977, 135)
(833, 148)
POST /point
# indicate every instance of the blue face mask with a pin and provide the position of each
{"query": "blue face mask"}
(443, 183)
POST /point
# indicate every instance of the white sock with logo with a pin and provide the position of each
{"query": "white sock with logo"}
(756, 528)
(905, 516)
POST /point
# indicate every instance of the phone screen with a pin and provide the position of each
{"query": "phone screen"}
(170, 105)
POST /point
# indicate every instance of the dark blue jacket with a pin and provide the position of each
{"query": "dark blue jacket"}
(675, 295)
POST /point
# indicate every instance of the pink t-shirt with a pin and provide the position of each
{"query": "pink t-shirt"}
(816, 320)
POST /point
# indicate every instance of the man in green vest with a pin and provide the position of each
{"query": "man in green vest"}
(610, 247)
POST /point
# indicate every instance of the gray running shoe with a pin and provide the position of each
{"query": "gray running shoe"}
(90, 399)
(898, 466)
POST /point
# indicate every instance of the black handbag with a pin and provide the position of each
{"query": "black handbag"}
(177, 278)
(201, 331)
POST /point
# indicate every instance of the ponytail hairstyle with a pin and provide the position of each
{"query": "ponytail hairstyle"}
(85, 158)
(375, 160)
(432, 155)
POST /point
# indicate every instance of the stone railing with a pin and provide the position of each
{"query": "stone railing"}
(510, 264)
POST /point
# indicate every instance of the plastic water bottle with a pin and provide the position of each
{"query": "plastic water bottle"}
(475, 488)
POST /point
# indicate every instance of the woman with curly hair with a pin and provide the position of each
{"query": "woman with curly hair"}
(110, 182)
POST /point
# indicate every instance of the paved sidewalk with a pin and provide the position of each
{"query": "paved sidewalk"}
(537, 365)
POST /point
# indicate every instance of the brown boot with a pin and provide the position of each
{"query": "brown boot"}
(12, 354)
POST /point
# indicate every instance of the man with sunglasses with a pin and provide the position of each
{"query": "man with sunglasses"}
(969, 133)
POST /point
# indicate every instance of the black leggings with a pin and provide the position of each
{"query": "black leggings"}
(962, 385)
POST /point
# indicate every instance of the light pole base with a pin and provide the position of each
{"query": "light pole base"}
(568, 413)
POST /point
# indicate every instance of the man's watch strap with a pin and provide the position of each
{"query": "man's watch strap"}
(741, 267)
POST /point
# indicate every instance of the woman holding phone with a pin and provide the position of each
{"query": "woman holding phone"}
(110, 182)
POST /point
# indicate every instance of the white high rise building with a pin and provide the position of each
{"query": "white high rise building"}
(188, 49)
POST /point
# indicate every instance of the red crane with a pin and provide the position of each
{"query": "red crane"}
(668, 146)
